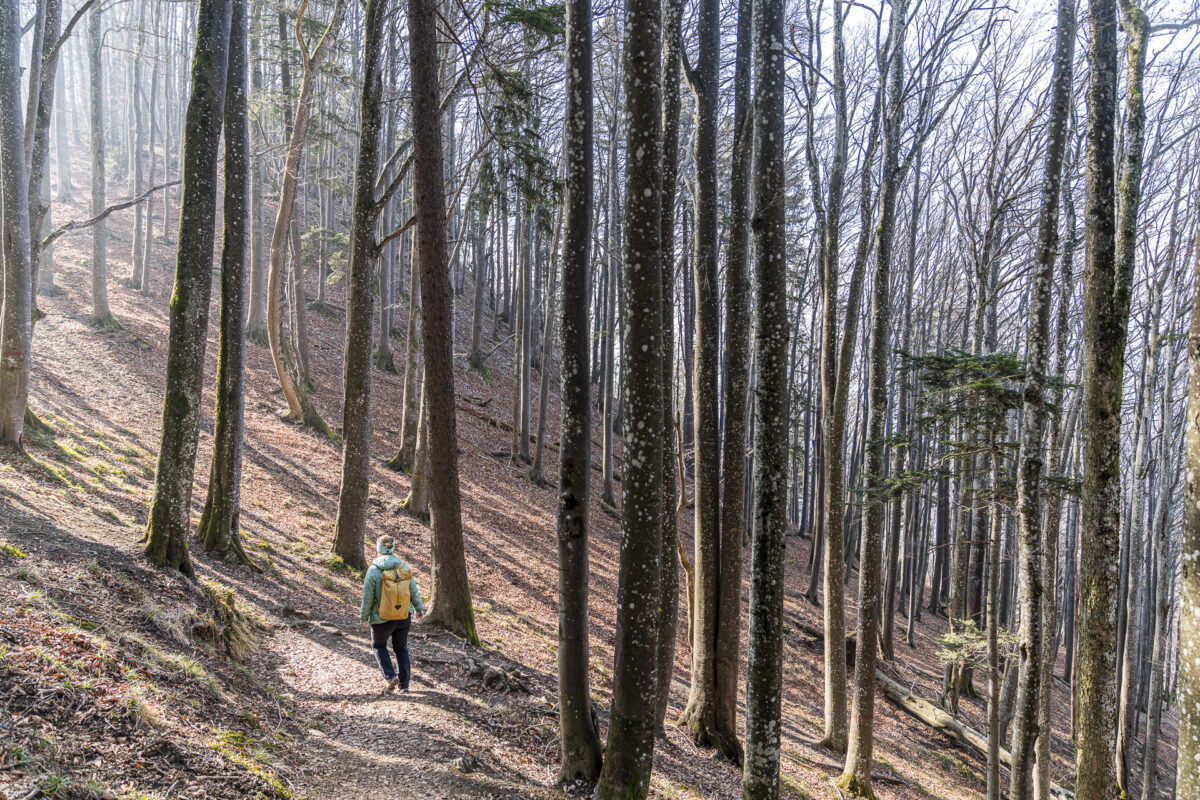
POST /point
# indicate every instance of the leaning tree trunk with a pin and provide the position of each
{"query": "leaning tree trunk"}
(630, 751)
(300, 406)
(579, 738)
(356, 371)
(100, 314)
(1106, 292)
(1187, 757)
(856, 779)
(38, 142)
(220, 521)
(450, 603)
(764, 669)
(166, 533)
(1030, 536)
(15, 320)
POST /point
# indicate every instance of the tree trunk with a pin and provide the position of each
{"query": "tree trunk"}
(405, 458)
(1187, 757)
(219, 528)
(1031, 534)
(450, 603)
(856, 779)
(764, 670)
(300, 406)
(699, 718)
(256, 323)
(166, 533)
(100, 314)
(17, 307)
(356, 371)
(579, 738)
(1105, 320)
(630, 751)
(669, 589)
(737, 345)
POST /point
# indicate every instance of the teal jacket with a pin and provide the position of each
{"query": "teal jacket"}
(371, 585)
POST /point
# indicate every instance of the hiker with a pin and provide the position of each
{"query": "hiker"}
(389, 595)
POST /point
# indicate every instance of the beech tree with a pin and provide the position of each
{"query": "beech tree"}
(628, 757)
(450, 603)
(169, 523)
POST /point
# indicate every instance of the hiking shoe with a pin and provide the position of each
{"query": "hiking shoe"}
(404, 689)
(392, 684)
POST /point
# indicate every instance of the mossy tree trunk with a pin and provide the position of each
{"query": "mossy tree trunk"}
(220, 521)
(1106, 293)
(166, 532)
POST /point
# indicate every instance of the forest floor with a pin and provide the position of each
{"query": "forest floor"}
(118, 680)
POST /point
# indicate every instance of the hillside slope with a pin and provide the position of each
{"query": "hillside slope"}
(117, 680)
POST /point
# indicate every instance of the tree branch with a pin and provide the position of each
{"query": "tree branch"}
(87, 223)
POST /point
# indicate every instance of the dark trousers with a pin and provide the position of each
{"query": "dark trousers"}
(397, 632)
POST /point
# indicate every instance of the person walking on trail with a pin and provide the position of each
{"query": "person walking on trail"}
(389, 597)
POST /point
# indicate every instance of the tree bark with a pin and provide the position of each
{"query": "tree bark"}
(166, 533)
(764, 670)
(629, 755)
(579, 738)
(856, 779)
(17, 306)
(450, 603)
(699, 717)
(1187, 758)
(100, 314)
(727, 655)
(356, 371)
(1105, 321)
(1031, 535)
(219, 528)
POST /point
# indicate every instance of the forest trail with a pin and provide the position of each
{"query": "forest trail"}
(300, 715)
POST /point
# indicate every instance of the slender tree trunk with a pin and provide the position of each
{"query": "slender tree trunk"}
(17, 306)
(405, 458)
(166, 533)
(629, 755)
(737, 345)
(764, 670)
(856, 779)
(1187, 757)
(1031, 458)
(1105, 320)
(100, 314)
(300, 406)
(450, 603)
(256, 323)
(669, 589)
(219, 528)
(578, 735)
(356, 374)
(699, 718)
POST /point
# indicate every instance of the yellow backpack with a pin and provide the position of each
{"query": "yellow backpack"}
(394, 594)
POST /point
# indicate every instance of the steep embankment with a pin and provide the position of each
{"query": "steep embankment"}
(116, 679)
